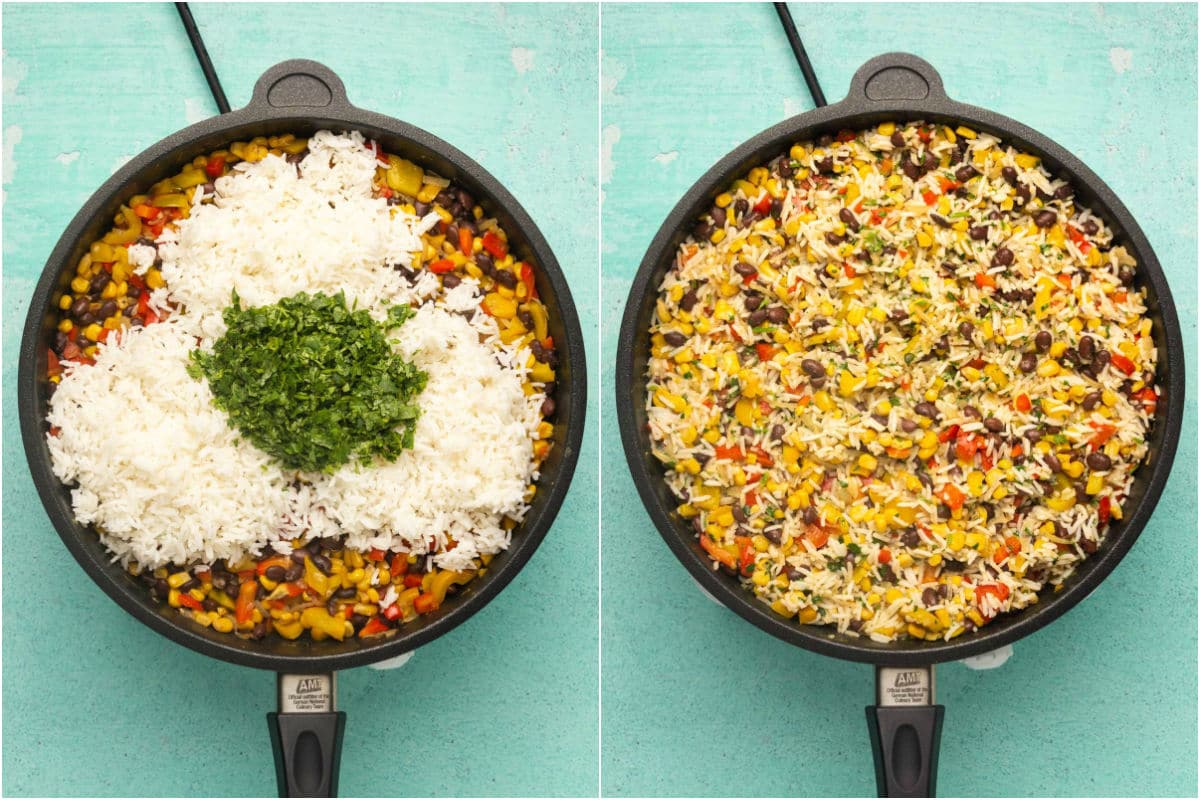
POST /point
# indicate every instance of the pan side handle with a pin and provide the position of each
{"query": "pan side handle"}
(299, 83)
(906, 732)
(894, 76)
(306, 736)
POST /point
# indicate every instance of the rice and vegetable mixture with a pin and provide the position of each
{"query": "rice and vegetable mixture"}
(900, 381)
(302, 386)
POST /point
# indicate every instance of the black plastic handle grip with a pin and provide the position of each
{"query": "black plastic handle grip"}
(299, 83)
(308, 752)
(905, 742)
(896, 76)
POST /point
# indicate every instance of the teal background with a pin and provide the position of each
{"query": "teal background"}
(697, 702)
(97, 704)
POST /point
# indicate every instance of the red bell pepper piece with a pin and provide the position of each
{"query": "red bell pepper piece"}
(948, 434)
(1103, 434)
(374, 627)
(465, 239)
(441, 266)
(952, 496)
(52, 365)
(818, 535)
(1124, 364)
(1105, 510)
(930, 197)
(392, 612)
(244, 608)
(425, 603)
(765, 351)
(763, 206)
(494, 244)
(376, 554)
(412, 581)
(746, 557)
(1149, 398)
(187, 600)
(399, 565)
(984, 280)
(717, 552)
(1023, 403)
(730, 453)
(885, 556)
(213, 168)
(527, 279)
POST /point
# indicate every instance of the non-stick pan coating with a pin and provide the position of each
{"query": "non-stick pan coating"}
(301, 97)
(903, 88)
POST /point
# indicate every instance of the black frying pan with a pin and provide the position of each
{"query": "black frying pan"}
(302, 97)
(905, 723)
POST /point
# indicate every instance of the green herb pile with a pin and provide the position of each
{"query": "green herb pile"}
(313, 383)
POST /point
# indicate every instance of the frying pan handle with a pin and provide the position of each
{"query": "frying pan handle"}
(299, 84)
(306, 736)
(895, 76)
(905, 741)
(906, 732)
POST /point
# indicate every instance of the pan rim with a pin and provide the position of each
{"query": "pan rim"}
(852, 114)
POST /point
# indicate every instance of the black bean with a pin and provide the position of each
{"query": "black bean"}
(978, 233)
(825, 140)
(1023, 194)
(1071, 357)
(450, 280)
(777, 432)
(322, 563)
(776, 208)
(812, 368)
(548, 408)
(774, 535)
(1045, 218)
(1042, 341)
(1003, 258)
(1063, 192)
(910, 169)
(161, 588)
(275, 573)
(752, 300)
(910, 537)
(825, 165)
(1010, 175)
(741, 206)
(833, 239)
(702, 231)
(485, 263)
(907, 425)
(943, 222)
(757, 317)
(966, 329)
(346, 593)
(1088, 546)
(847, 216)
(926, 409)
(897, 139)
(777, 315)
(1125, 275)
(819, 322)
(688, 301)
(811, 516)
(1052, 462)
(784, 168)
(79, 308)
(744, 269)
(898, 315)
(929, 597)
(294, 573)
(107, 309)
(965, 173)
(971, 411)
(718, 216)
(1090, 227)
(99, 282)
(1028, 363)
(675, 338)
(1087, 348)
(506, 278)
(1099, 462)
(994, 425)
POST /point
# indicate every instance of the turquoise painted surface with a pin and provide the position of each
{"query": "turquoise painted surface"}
(95, 703)
(698, 702)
